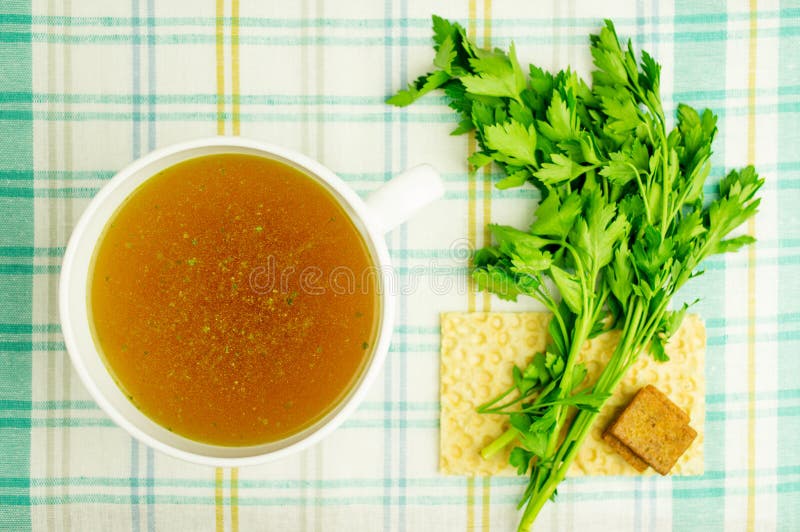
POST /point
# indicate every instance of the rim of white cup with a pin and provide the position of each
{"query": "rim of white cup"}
(362, 218)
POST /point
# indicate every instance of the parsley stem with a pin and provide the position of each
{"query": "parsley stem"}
(666, 181)
(582, 424)
(578, 263)
(643, 194)
(583, 327)
(499, 444)
(487, 406)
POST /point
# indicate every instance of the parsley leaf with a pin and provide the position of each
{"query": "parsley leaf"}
(513, 142)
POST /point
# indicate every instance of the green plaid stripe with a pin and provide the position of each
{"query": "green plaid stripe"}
(693, 513)
(208, 37)
(704, 15)
(15, 306)
(788, 504)
(55, 153)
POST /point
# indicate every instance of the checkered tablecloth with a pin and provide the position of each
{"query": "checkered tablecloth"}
(86, 86)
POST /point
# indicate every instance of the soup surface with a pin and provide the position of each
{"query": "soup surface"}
(230, 300)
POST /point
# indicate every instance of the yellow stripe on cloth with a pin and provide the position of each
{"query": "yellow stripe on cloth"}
(219, 507)
(236, 129)
(236, 122)
(235, 499)
(471, 237)
(218, 498)
(487, 216)
(487, 173)
(220, 48)
(751, 278)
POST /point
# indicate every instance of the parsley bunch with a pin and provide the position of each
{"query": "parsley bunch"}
(622, 225)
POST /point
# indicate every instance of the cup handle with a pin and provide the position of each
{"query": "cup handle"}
(399, 198)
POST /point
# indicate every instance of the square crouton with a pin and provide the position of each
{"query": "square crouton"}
(625, 452)
(653, 429)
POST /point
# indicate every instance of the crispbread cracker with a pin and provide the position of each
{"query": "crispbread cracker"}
(478, 352)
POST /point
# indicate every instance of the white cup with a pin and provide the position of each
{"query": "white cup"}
(387, 207)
